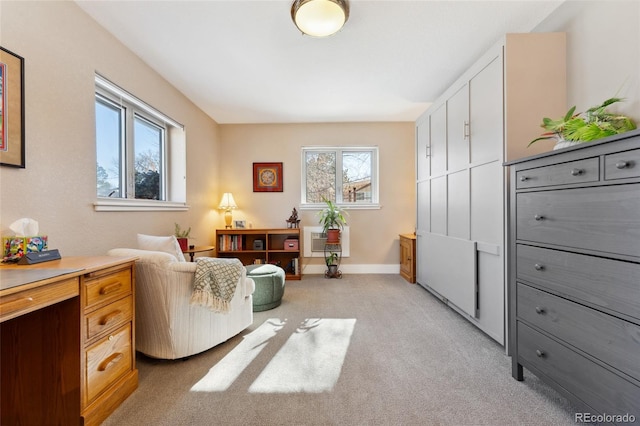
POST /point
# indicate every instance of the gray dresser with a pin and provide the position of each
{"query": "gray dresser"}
(574, 273)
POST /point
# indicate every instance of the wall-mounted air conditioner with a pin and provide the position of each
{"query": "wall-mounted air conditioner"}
(314, 240)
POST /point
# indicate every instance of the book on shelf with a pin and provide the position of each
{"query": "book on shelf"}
(230, 242)
(293, 266)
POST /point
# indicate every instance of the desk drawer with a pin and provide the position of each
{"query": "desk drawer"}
(610, 284)
(610, 339)
(107, 360)
(598, 387)
(109, 317)
(581, 171)
(603, 218)
(622, 165)
(26, 301)
(109, 287)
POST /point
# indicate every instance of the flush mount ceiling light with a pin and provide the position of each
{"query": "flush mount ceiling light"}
(319, 18)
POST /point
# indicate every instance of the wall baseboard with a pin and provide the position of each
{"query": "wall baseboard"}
(355, 269)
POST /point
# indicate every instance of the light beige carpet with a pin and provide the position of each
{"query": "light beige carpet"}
(361, 350)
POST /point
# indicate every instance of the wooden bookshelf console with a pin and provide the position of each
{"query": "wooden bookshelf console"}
(277, 247)
(68, 340)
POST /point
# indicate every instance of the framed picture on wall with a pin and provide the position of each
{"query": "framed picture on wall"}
(11, 109)
(267, 177)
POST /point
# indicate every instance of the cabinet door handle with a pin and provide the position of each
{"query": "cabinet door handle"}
(111, 315)
(523, 178)
(539, 310)
(538, 267)
(540, 354)
(622, 164)
(465, 129)
(576, 172)
(426, 151)
(538, 217)
(111, 359)
(110, 288)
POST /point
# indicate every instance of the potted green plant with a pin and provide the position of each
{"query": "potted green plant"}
(182, 236)
(594, 123)
(332, 265)
(332, 218)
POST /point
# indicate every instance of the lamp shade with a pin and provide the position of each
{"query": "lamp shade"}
(227, 202)
(319, 18)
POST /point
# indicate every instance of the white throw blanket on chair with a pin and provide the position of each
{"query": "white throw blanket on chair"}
(215, 283)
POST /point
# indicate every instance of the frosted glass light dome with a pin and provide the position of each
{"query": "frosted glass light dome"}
(319, 18)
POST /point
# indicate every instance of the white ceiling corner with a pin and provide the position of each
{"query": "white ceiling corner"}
(245, 61)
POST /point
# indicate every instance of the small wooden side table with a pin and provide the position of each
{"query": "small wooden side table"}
(192, 250)
(408, 257)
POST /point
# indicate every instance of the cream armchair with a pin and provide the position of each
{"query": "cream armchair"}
(167, 326)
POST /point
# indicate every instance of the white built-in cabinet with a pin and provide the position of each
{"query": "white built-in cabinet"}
(487, 117)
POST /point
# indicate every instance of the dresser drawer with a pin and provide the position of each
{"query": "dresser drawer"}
(596, 386)
(610, 284)
(605, 218)
(109, 317)
(580, 171)
(107, 360)
(622, 165)
(106, 288)
(610, 339)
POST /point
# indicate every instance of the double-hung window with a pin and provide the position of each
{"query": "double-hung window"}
(344, 175)
(138, 151)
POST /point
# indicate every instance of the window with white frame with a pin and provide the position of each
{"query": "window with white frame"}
(344, 175)
(140, 153)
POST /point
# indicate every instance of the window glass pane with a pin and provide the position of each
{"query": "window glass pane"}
(109, 149)
(148, 139)
(356, 177)
(321, 176)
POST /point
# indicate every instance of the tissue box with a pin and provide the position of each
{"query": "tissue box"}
(21, 245)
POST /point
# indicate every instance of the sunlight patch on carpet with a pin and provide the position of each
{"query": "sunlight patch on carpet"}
(310, 361)
(223, 374)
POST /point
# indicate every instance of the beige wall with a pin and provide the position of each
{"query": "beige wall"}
(603, 52)
(63, 48)
(374, 233)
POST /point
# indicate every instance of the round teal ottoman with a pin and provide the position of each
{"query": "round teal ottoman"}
(269, 281)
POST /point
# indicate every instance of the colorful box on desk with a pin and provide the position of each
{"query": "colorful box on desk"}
(291, 244)
(21, 245)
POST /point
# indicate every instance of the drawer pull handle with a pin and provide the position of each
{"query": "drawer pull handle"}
(538, 217)
(111, 359)
(539, 310)
(110, 316)
(110, 288)
(540, 354)
(622, 164)
(576, 172)
(523, 178)
(539, 267)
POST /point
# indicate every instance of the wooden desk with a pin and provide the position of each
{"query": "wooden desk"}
(67, 340)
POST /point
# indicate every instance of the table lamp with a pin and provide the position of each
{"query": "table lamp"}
(227, 204)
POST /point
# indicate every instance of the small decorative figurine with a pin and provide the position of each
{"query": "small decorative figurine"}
(293, 221)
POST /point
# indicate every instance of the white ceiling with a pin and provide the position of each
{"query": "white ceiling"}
(245, 62)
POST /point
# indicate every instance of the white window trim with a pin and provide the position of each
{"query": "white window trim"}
(347, 206)
(132, 204)
(126, 96)
(127, 204)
